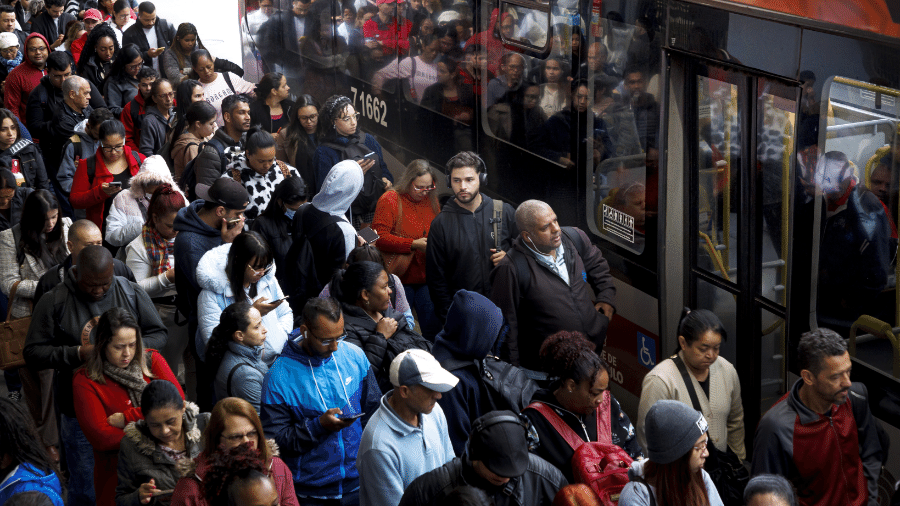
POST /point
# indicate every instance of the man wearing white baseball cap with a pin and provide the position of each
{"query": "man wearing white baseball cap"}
(407, 437)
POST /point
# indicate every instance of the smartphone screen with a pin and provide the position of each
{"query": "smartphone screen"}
(369, 235)
(350, 417)
(116, 184)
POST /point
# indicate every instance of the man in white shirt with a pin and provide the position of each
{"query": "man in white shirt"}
(151, 34)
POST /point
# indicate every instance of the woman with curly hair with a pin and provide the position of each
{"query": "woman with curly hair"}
(580, 397)
(100, 49)
(234, 429)
(238, 477)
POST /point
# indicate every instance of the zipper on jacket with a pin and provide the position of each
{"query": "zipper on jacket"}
(841, 453)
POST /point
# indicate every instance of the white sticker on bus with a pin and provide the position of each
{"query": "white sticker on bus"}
(618, 223)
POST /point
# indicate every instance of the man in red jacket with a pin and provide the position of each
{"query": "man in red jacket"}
(388, 29)
(27, 75)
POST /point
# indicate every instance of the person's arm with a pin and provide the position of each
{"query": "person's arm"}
(505, 294)
(294, 433)
(9, 266)
(386, 213)
(41, 181)
(35, 116)
(389, 71)
(736, 417)
(770, 454)
(653, 388)
(152, 135)
(168, 63)
(138, 261)
(41, 350)
(286, 492)
(370, 397)
(870, 451)
(92, 417)
(153, 333)
(209, 312)
(372, 144)
(284, 312)
(66, 172)
(130, 479)
(125, 118)
(12, 95)
(380, 477)
(120, 227)
(114, 98)
(435, 275)
(247, 384)
(597, 269)
(84, 195)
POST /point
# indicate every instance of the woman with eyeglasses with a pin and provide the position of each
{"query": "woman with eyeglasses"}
(118, 15)
(233, 422)
(343, 140)
(159, 121)
(101, 176)
(402, 219)
(235, 351)
(673, 474)
(100, 48)
(296, 142)
(370, 323)
(108, 389)
(258, 170)
(242, 271)
(157, 448)
(122, 84)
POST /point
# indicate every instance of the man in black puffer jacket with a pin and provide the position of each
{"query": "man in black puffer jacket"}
(496, 461)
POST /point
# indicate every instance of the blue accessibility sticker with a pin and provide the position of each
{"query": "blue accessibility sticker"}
(646, 350)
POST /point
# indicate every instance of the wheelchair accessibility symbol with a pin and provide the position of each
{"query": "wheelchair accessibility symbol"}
(646, 350)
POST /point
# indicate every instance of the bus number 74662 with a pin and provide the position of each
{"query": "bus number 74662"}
(370, 106)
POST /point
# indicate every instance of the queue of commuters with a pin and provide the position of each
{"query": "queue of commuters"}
(234, 301)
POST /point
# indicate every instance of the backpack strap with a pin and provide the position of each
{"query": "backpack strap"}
(495, 222)
(575, 237)
(227, 76)
(523, 274)
(236, 174)
(231, 375)
(561, 427)
(91, 168)
(604, 423)
(285, 171)
(687, 381)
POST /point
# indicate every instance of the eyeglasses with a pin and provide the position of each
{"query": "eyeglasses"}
(39, 49)
(133, 66)
(235, 438)
(260, 272)
(309, 119)
(112, 149)
(702, 446)
(329, 342)
(424, 188)
(348, 119)
(170, 94)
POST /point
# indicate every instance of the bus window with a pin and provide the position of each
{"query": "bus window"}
(855, 176)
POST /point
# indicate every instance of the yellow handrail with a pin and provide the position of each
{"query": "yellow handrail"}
(878, 328)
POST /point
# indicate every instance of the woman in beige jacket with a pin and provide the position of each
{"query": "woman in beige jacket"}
(714, 379)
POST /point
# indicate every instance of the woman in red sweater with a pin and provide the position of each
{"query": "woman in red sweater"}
(402, 219)
(234, 422)
(108, 391)
(101, 176)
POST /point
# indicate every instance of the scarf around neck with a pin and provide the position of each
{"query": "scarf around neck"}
(131, 377)
(159, 250)
(11, 64)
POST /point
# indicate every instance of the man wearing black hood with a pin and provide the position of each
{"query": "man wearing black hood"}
(496, 461)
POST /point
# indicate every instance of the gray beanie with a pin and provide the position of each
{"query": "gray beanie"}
(672, 428)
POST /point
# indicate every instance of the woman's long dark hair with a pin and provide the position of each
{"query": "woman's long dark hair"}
(185, 29)
(269, 82)
(90, 45)
(31, 229)
(675, 484)
(128, 54)
(348, 285)
(236, 317)
(110, 323)
(294, 133)
(183, 94)
(246, 247)
(20, 440)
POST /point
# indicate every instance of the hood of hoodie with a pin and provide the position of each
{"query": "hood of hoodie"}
(340, 188)
(473, 326)
(189, 221)
(27, 39)
(211, 273)
(153, 171)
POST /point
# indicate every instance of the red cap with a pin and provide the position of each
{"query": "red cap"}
(93, 14)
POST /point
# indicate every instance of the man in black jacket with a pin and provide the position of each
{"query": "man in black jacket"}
(151, 34)
(8, 23)
(60, 337)
(51, 22)
(496, 461)
(462, 248)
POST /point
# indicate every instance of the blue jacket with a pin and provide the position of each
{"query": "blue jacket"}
(298, 389)
(217, 295)
(27, 478)
(194, 239)
(247, 380)
(326, 158)
(473, 331)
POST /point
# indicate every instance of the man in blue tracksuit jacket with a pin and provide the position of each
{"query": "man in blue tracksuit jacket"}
(309, 399)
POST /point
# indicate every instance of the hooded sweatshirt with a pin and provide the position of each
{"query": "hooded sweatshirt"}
(339, 189)
(194, 239)
(473, 326)
(128, 211)
(72, 152)
(27, 478)
(21, 81)
(217, 295)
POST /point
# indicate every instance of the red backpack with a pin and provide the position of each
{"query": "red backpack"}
(601, 465)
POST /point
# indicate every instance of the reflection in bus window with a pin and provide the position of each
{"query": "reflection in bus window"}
(325, 55)
(855, 174)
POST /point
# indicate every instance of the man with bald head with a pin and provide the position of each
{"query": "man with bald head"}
(62, 334)
(547, 282)
(81, 233)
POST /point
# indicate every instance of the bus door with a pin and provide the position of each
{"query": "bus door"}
(738, 144)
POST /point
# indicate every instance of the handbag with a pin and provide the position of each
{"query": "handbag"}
(12, 336)
(725, 468)
(397, 263)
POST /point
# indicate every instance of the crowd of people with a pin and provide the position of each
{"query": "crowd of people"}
(233, 300)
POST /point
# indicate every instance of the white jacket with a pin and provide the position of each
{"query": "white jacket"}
(217, 295)
(128, 211)
(138, 261)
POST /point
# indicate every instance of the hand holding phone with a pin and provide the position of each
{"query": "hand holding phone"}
(369, 235)
(350, 417)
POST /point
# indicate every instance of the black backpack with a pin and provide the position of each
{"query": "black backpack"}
(508, 385)
(189, 177)
(304, 282)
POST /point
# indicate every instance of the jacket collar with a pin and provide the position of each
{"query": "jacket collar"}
(139, 433)
(252, 352)
(393, 421)
(805, 414)
(295, 351)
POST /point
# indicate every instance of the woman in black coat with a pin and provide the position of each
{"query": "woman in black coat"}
(100, 49)
(369, 322)
(274, 224)
(272, 108)
(20, 155)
